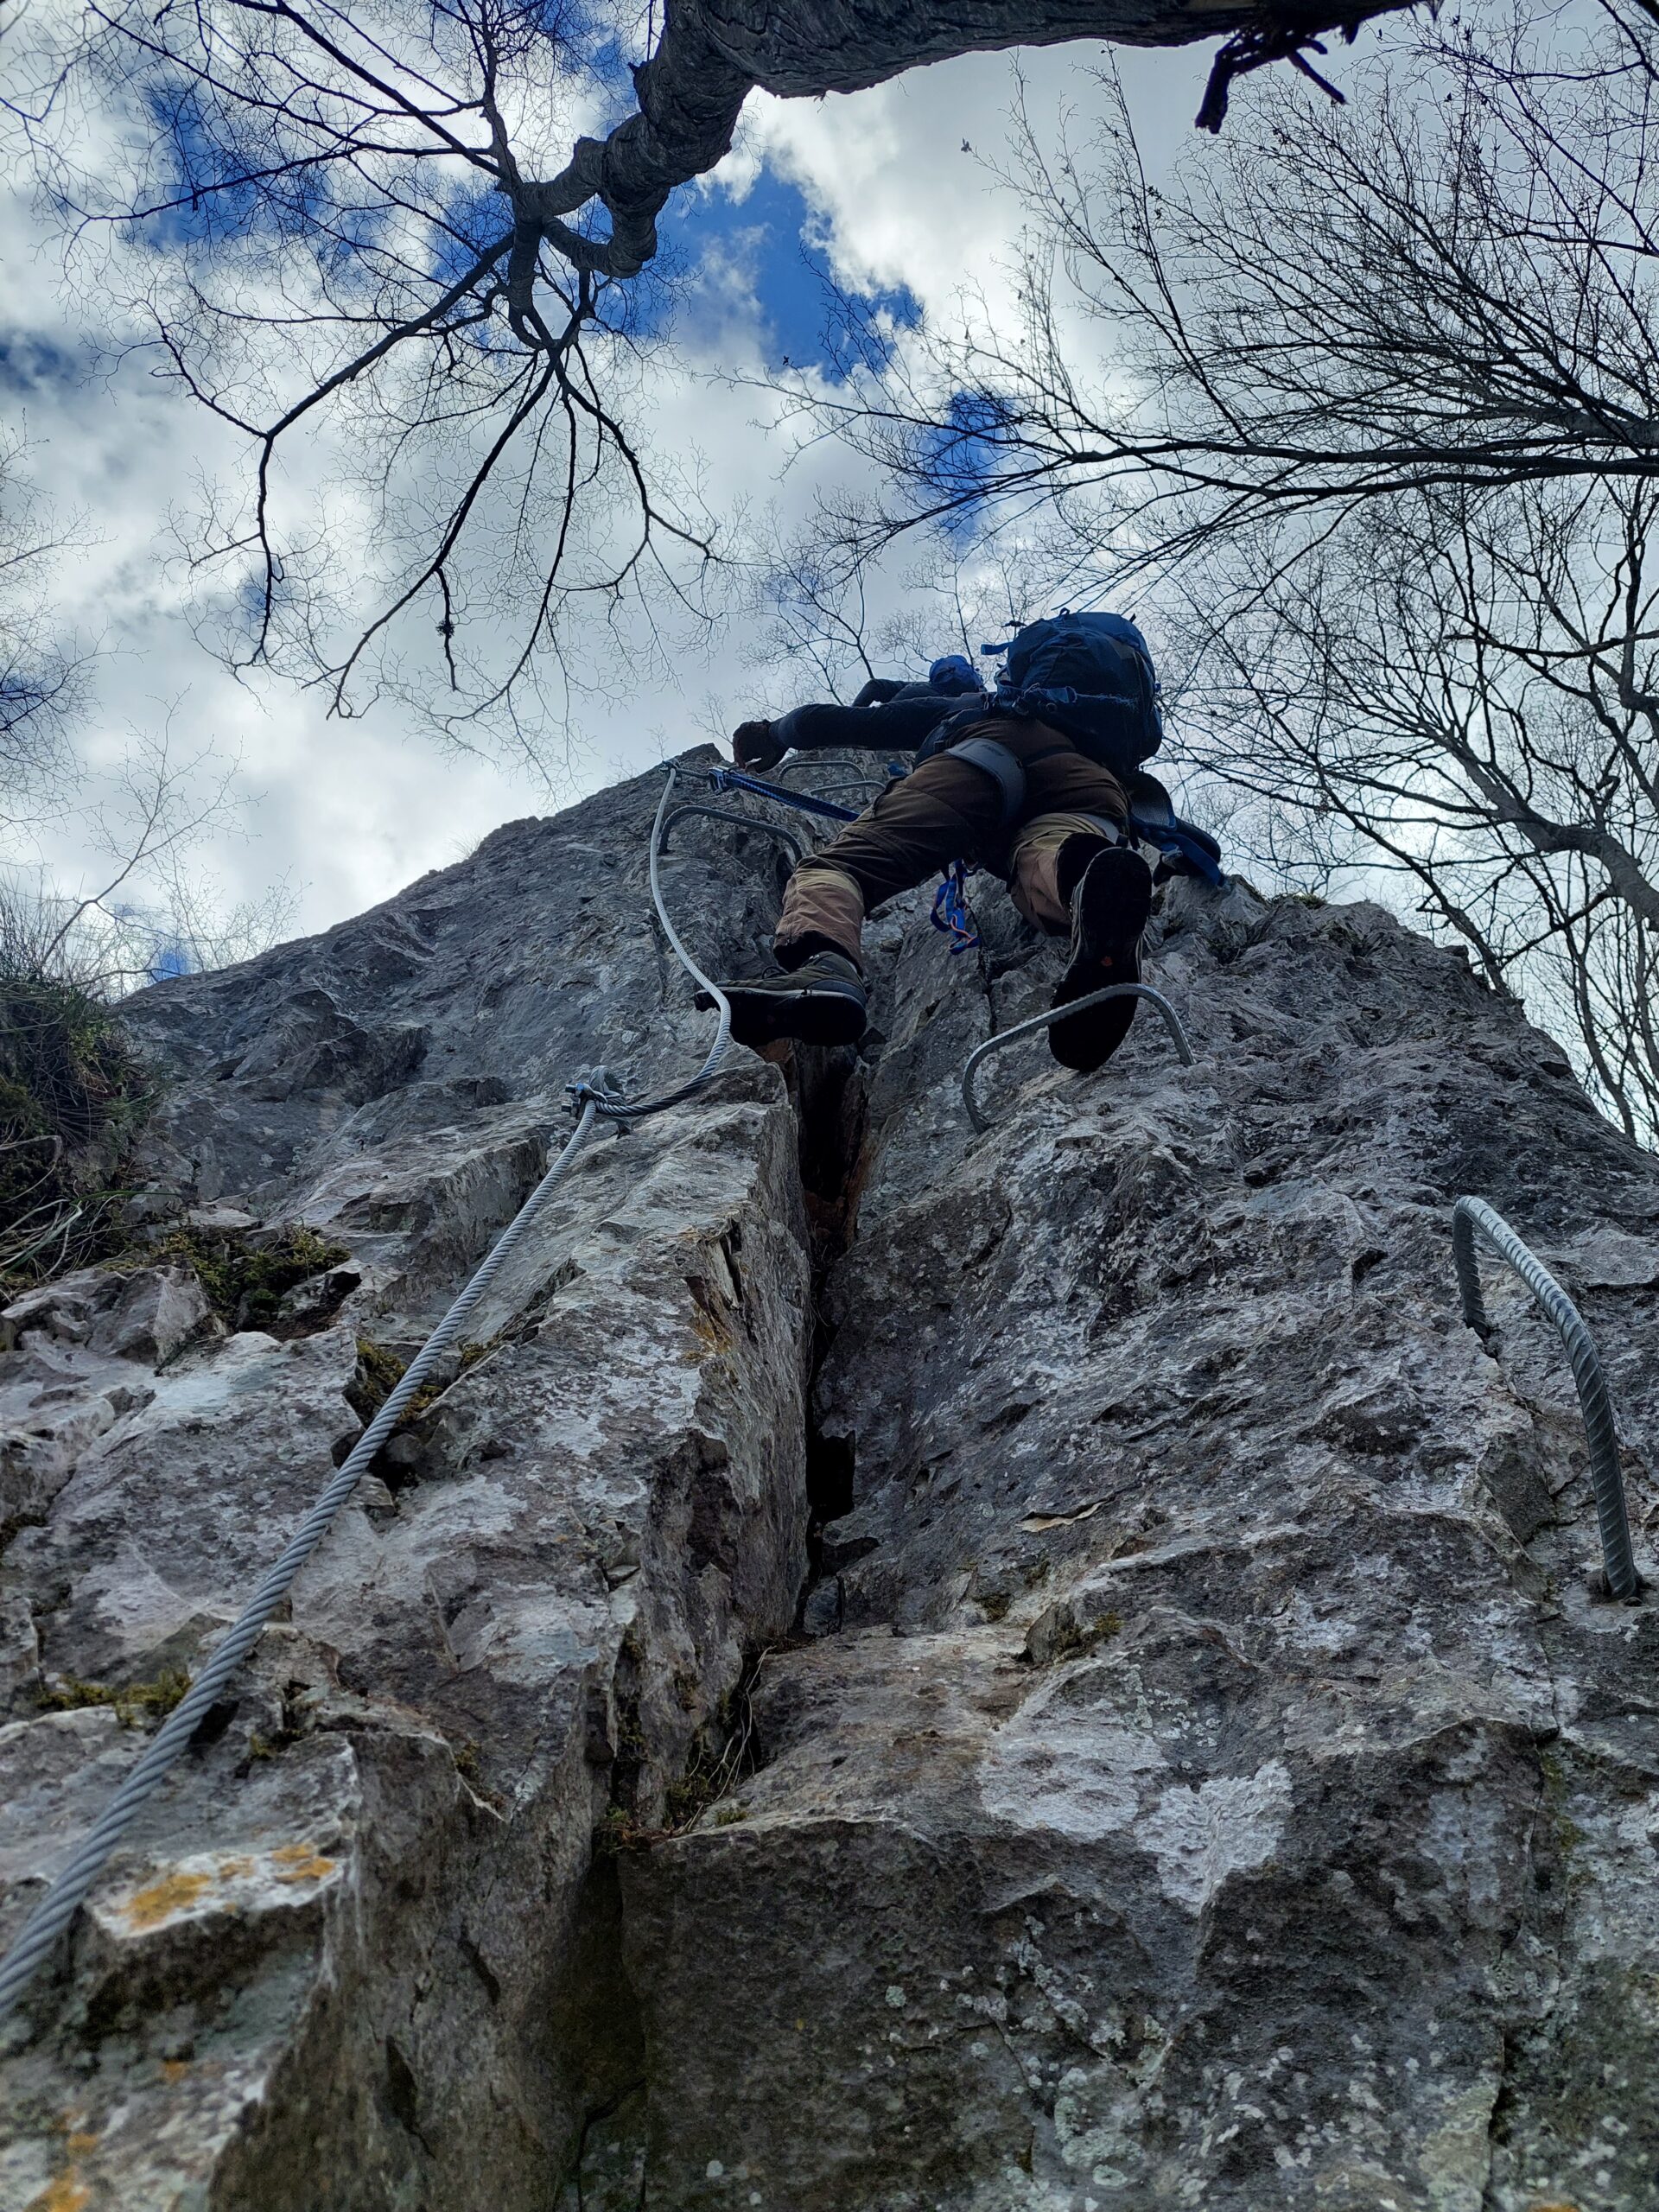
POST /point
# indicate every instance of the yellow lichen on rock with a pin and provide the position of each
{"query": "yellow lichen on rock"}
(162, 1901)
(302, 1862)
(232, 1881)
(65, 2192)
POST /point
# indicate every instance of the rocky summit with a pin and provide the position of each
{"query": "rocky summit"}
(898, 1669)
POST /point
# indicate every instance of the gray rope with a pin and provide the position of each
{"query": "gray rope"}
(615, 1109)
(1473, 1216)
(1172, 1023)
(58, 1908)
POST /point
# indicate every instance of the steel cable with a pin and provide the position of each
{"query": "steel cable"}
(58, 1908)
(594, 1099)
(613, 1109)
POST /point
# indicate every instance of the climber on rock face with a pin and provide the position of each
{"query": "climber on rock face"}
(1028, 781)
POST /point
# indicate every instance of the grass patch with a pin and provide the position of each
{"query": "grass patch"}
(1074, 1639)
(469, 1765)
(620, 1831)
(721, 1757)
(687, 1799)
(73, 1097)
(377, 1373)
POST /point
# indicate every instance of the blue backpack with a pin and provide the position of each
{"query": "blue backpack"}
(1090, 676)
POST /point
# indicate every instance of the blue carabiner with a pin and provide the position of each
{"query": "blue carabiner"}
(951, 913)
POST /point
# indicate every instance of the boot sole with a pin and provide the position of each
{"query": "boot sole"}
(1116, 892)
(818, 1016)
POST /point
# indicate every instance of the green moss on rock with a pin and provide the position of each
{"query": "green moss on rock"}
(246, 1281)
(136, 1704)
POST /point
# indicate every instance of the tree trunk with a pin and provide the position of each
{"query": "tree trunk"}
(714, 52)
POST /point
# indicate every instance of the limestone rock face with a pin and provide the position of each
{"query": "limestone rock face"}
(907, 1671)
(336, 1964)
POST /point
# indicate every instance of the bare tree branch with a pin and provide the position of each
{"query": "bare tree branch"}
(380, 226)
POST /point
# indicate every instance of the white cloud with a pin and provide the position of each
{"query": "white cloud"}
(904, 205)
(349, 811)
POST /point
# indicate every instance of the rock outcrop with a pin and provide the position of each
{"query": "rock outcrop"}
(905, 1671)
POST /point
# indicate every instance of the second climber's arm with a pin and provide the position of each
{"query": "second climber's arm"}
(898, 727)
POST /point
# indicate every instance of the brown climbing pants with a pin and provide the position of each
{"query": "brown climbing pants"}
(946, 810)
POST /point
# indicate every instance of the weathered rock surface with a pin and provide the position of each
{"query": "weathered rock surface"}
(333, 1966)
(1222, 1787)
(1188, 1765)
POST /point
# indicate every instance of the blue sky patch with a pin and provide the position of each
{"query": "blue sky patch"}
(963, 454)
(774, 239)
(29, 364)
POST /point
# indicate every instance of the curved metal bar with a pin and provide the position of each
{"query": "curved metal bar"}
(743, 821)
(876, 784)
(1473, 1216)
(606, 1104)
(1172, 1023)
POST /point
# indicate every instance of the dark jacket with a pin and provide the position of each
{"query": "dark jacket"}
(888, 716)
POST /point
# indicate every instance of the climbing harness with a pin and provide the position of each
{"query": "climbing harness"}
(996, 760)
(1470, 1216)
(952, 913)
(1172, 1023)
(595, 1099)
(950, 910)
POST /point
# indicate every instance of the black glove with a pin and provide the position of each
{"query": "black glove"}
(753, 746)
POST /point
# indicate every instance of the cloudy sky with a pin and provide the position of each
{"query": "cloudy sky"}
(344, 813)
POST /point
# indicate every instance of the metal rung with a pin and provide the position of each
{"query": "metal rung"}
(730, 816)
(1172, 1023)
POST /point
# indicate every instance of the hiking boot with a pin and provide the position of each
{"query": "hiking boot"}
(1110, 908)
(821, 1002)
